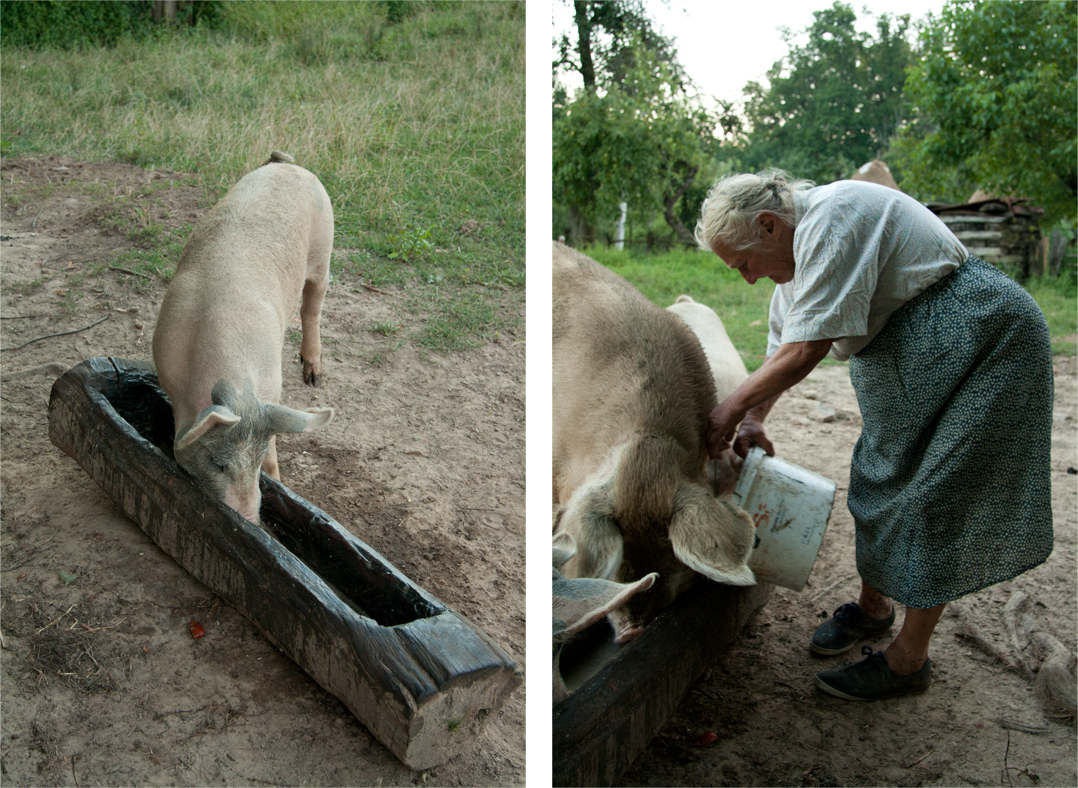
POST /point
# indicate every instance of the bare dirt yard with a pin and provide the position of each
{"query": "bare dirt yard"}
(102, 681)
(978, 724)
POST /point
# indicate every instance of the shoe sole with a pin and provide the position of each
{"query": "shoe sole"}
(839, 694)
(830, 652)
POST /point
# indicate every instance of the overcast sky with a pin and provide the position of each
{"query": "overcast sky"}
(724, 44)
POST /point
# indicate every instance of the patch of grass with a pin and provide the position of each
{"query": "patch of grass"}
(27, 288)
(70, 297)
(662, 278)
(157, 262)
(385, 329)
(744, 308)
(377, 270)
(459, 319)
(1056, 298)
(410, 243)
(412, 115)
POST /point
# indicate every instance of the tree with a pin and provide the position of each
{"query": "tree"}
(634, 132)
(609, 33)
(831, 104)
(994, 96)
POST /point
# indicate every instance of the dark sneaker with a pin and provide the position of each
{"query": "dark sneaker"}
(872, 679)
(846, 626)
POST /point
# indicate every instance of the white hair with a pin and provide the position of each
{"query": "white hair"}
(735, 201)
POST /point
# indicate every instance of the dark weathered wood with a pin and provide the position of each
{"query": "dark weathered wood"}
(609, 720)
(416, 673)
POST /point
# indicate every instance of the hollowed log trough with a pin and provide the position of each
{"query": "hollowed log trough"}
(623, 695)
(417, 674)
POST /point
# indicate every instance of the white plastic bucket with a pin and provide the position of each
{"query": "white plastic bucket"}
(791, 507)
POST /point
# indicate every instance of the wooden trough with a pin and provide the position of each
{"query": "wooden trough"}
(418, 675)
(623, 695)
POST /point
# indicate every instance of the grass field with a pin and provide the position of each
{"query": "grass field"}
(414, 120)
(744, 308)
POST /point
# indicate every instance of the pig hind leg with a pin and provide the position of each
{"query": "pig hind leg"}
(310, 313)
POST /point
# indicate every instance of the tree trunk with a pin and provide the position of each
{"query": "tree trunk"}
(583, 29)
(582, 231)
(1057, 248)
(668, 208)
(164, 10)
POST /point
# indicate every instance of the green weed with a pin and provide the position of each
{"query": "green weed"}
(385, 329)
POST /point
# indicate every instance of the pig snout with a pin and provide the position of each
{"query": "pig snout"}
(246, 503)
(631, 619)
(625, 632)
(232, 441)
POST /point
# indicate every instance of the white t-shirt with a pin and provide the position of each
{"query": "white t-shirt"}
(861, 251)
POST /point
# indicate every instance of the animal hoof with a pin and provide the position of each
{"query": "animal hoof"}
(312, 375)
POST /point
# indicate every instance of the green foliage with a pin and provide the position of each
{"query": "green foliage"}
(637, 141)
(832, 104)
(610, 36)
(425, 132)
(994, 98)
(410, 243)
(1056, 298)
(385, 329)
(43, 23)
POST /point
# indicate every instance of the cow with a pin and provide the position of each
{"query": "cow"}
(632, 395)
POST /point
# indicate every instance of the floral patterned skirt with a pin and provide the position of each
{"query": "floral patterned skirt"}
(950, 483)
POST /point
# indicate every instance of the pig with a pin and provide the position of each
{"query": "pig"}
(220, 332)
(632, 395)
(728, 372)
(581, 602)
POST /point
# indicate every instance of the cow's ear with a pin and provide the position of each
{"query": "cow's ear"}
(599, 546)
(712, 537)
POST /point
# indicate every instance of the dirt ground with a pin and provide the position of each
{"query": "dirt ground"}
(978, 724)
(102, 681)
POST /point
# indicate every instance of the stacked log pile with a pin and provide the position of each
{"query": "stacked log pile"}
(1004, 231)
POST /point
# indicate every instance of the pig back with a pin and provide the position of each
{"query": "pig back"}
(237, 284)
(623, 368)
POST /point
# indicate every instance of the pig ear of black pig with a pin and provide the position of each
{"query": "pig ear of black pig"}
(712, 537)
(208, 418)
(283, 419)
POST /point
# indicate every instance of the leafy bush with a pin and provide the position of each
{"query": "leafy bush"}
(39, 23)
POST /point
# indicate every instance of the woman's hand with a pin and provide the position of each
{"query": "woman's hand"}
(753, 399)
(721, 431)
(751, 433)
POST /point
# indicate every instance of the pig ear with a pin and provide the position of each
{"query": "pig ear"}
(580, 602)
(563, 548)
(208, 418)
(282, 419)
(598, 540)
(712, 537)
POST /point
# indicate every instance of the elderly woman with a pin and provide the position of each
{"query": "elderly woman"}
(951, 363)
